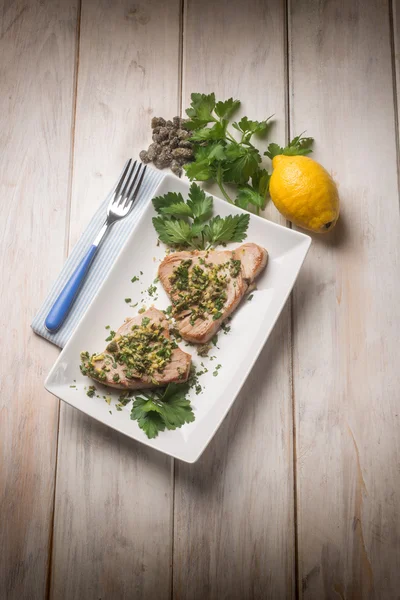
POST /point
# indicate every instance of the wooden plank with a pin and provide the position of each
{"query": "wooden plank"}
(37, 56)
(346, 309)
(234, 534)
(395, 25)
(113, 519)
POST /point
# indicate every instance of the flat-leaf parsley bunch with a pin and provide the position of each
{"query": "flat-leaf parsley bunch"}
(226, 160)
(190, 223)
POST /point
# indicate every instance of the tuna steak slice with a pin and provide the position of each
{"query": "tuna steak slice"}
(130, 359)
(205, 287)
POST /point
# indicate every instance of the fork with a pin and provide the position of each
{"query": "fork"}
(123, 197)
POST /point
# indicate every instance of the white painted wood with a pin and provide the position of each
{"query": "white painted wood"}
(113, 519)
(234, 536)
(37, 54)
(395, 23)
(346, 308)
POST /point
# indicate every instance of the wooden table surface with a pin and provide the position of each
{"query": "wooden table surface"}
(298, 494)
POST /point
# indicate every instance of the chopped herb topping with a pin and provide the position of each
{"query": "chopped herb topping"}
(141, 310)
(235, 267)
(107, 327)
(110, 337)
(217, 368)
(127, 300)
(200, 291)
(225, 328)
(135, 278)
(250, 297)
(91, 391)
(124, 398)
(152, 290)
(203, 349)
(145, 351)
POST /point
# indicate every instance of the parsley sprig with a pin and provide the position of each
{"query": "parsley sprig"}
(190, 223)
(158, 410)
(219, 156)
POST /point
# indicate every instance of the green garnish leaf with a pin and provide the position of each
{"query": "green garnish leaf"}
(229, 229)
(200, 111)
(273, 150)
(247, 195)
(201, 168)
(155, 411)
(200, 205)
(181, 209)
(149, 421)
(216, 132)
(243, 163)
(173, 232)
(161, 202)
(225, 109)
(299, 146)
(250, 127)
(260, 181)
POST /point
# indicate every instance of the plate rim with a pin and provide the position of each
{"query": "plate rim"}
(305, 238)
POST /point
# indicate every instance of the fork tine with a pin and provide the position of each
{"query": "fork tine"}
(134, 190)
(121, 181)
(131, 186)
(124, 192)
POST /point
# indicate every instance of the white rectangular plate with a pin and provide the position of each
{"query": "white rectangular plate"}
(237, 351)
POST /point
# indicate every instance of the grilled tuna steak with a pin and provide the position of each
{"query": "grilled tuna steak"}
(205, 287)
(141, 355)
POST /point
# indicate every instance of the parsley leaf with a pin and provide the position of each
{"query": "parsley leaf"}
(173, 232)
(225, 109)
(260, 181)
(180, 209)
(161, 202)
(199, 204)
(149, 421)
(229, 229)
(273, 150)
(243, 163)
(248, 127)
(175, 408)
(248, 195)
(156, 411)
(201, 168)
(299, 146)
(216, 132)
(200, 110)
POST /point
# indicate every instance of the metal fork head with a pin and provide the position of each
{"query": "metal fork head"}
(126, 190)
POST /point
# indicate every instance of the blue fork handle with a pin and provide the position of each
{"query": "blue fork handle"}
(65, 300)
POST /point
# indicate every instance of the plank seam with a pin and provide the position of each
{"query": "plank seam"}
(180, 56)
(395, 85)
(180, 112)
(66, 248)
(287, 51)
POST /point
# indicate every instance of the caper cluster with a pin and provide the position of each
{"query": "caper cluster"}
(171, 146)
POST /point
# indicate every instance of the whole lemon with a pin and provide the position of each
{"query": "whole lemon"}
(304, 192)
